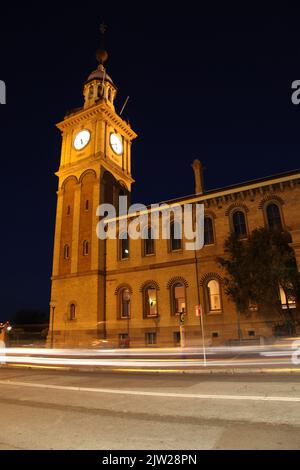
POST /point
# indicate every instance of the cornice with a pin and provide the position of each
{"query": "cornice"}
(100, 110)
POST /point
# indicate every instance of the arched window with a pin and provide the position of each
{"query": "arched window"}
(91, 92)
(150, 301)
(85, 248)
(239, 224)
(178, 298)
(148, 241)
(109, 94)
(213, 294)
(176, 236)
(124, 246)
(273, 217)
(286, 300)
(72, 312)
(124, 303)
(66, 251)
(208, 231)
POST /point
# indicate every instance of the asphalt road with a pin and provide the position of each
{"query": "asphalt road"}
(63, 409)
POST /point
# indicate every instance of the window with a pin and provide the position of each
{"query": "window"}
(86, 205)
(68, 210)
(66, 252)
(214, 295)
(150, 301)
(208, 231)
(273, 217)
(283, 299)
(123, 340)
(124, 303)
(176, 337)
(175, 234)
(150, 338)
(85, 248)
(148, 242)
(251, 333)
(178, 298)
(124, 246)
(72, 312)
(239, 224)
(215, 334)
(91, 92)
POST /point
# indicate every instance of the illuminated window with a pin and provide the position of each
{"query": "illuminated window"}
(208, 231)
(72, 312)
(91, 92)
(291, 303)
(213, 295)
(124, 246)
(150, 301)
(124, 303)
(175, 234)
(85, 248)
(239, 224)
(178, 298)
(273, 217)
(148, 241)
(66, 252)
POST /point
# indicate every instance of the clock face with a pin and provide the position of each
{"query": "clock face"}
(116, 143)
(82, 139)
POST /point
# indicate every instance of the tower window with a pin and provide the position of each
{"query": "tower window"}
(68, 210)
(85, 248)
(87, 205)
(66, 251)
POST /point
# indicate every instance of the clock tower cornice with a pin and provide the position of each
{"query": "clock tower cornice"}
(101, 111)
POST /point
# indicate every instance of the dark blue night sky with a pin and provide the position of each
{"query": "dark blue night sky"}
(213, 85)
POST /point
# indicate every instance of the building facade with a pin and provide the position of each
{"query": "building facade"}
(132, 291)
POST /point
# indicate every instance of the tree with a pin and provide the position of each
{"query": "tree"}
(256, 269)
(29, 317)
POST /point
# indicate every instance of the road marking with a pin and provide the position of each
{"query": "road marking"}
(150, 394)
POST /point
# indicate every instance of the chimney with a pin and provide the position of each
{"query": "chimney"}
(198, 172)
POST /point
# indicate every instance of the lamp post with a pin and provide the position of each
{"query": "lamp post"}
(126, 297)
(52, 305)
(181, 327)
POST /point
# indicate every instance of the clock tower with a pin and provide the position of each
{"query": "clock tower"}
(95, 168)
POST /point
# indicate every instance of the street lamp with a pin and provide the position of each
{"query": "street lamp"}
(52, 306)
(126, 298)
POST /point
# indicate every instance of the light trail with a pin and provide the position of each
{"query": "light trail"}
(158, 358)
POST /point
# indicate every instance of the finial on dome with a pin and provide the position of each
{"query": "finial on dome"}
(101, 54)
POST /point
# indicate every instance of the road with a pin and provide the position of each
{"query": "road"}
(45, 408)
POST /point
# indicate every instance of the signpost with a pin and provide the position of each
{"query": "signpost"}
(181, 327)
(199, 313)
